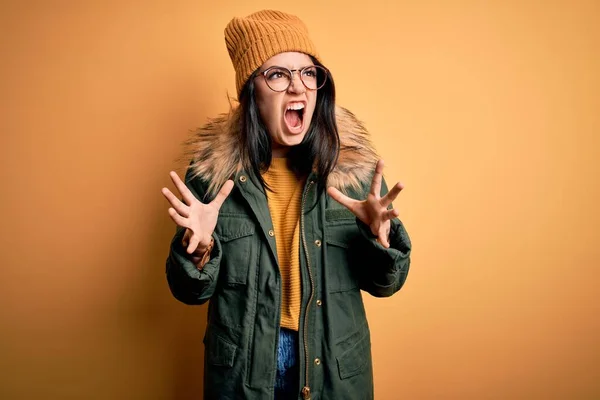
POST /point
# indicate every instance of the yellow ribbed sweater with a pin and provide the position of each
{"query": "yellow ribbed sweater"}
(284, 204)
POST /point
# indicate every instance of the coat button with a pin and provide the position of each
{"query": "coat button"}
(319, 303)
(243, 178)
(318, 243)
(317, 361)
(271, 232)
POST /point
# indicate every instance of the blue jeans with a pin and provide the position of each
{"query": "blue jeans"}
(288, 373)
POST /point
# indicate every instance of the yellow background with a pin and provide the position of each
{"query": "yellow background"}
(488, 112)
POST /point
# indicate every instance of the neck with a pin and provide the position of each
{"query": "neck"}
(280, 151)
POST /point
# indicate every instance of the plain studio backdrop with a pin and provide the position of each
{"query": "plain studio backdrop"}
(487, 111)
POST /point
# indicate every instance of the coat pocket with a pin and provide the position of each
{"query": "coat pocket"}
(222, 365)
(341, 262)
(355, 359)
(236, 236)
(219, 352)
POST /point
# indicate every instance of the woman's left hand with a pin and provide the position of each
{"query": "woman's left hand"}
(374, 210)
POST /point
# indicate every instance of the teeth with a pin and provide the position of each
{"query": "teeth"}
(295, 106)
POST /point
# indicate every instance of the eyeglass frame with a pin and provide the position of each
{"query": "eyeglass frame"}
(291, 71)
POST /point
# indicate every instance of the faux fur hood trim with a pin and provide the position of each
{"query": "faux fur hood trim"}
(216, 152)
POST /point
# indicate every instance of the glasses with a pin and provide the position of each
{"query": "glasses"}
(279, 79)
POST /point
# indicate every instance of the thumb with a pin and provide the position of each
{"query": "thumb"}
(194, 241)
(186, 237)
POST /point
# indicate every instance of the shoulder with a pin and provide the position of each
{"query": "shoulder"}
(215, 151)
(357, 158)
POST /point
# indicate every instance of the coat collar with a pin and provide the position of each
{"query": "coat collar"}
(216, 153)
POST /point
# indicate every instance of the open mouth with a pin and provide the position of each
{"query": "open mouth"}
(294, 116)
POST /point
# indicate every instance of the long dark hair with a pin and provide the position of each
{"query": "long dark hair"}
(319, 149)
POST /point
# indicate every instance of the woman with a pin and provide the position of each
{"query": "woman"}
(285, 218)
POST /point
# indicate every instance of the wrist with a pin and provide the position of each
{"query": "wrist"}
(200, 248)
(203, 248)
(202, 254)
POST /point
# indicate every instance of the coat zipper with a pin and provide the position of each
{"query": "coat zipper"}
(306, 388)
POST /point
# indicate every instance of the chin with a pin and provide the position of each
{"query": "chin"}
(294, 140)
(287, 138)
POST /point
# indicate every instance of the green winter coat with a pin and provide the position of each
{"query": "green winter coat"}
(338, 257)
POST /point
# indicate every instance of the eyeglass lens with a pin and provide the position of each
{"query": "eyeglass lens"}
(279, 79)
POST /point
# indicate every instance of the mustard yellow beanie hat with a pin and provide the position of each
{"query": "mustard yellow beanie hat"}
(254, 39)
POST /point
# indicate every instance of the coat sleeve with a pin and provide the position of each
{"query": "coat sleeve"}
(384, 271)
(188, 284)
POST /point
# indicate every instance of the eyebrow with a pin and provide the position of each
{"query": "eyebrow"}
(290, 69)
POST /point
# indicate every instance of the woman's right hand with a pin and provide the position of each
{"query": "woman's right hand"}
(198, 218)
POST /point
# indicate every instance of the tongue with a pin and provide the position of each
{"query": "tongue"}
(292, 117)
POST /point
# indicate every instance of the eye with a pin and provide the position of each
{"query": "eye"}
(276, 73)
(310, 72)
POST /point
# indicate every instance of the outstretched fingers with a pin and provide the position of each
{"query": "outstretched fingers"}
(376, 181)
(223, 194)
(341, 198)
(178, 219)
(187, 195)
(392, 194)
(181, 208)
(390, 214)
(383, 240)
(193, 244)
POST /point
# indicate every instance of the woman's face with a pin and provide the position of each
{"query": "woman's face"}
(287, 115)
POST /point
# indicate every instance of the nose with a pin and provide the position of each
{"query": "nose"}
(296, 85)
